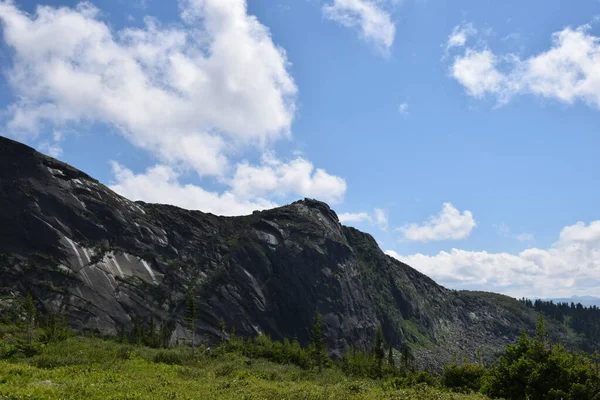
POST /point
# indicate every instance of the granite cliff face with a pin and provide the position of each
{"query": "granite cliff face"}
(102, 260)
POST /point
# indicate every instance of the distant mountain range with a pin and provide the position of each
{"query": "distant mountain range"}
(584, 300)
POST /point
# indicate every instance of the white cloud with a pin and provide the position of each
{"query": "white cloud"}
(459, 35)
(160, 184)
(403, 109)
(353, 218)
(180, 92)
(375, 23)
(449, 224)
(477, 72)
(570, 266)
(276, 178)
(381, 218)
(251, 188)
(52, 149)
(568, 71)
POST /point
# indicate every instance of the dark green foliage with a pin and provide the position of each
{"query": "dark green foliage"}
(318, 348)
(148, 333)
(262, 346)
(583, 320)
(407, 358)
(410, 379)
(379, 351)
(191, 316)
(30, 318)
(359, 363)
(532, 369)
(56, 330)
(391, 362)
(464, 378)
(170, 357)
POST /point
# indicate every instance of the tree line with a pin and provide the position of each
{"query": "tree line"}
(532, 368)
(583, 320)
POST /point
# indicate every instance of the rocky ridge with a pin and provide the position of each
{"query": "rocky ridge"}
(103, 260)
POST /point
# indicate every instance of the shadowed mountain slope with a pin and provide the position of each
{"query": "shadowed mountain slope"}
(102, 260)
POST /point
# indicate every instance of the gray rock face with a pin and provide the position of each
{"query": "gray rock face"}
(102, 260)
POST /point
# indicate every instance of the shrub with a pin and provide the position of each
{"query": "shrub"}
(463, 378)
(169, 357)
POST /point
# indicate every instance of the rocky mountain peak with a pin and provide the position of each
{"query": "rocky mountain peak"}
(104, 261)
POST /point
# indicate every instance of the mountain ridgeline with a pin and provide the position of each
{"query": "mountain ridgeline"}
(104, 261)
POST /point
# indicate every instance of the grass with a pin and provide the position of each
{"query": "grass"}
(412, 330)
(90, 368)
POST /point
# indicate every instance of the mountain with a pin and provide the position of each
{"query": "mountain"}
(586, 301)
(104, 261)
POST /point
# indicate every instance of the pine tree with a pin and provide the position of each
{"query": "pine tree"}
(191, 315)
(30, 318)
(318, 347)
(379, 351)
(540, 346)
(137, 331)
(391, 362)
(222, 327)
(407, 357)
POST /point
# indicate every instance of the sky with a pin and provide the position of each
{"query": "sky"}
(463, 135)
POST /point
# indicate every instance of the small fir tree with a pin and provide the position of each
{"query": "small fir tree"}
(318, 347)
(191, 316)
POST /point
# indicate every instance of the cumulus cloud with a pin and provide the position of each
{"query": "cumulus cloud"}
(449, 224)
(368, 16)
(193, 94)
(277, 178)
(570, 266)
(567, 71)
(353, 218)
(251, 188)
(182, 93)
(161, 184)
(379, 218)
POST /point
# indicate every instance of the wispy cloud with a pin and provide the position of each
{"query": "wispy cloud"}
(369, 17)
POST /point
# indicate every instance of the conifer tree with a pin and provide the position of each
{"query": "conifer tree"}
(30, 318)
(318, 347)
(379, 351)
(191, 316)
(391, 362)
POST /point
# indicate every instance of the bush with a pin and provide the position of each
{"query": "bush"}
(170, 357)
(533, 369)
(7, 350)
(56, 330)
(463, 378)
(50, 361)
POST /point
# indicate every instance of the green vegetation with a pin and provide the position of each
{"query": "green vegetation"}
(318, 347)
(585, 321)
(92, 368)
(418, 339)
(41, 359)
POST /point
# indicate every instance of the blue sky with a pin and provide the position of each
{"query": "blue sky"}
(462, 134)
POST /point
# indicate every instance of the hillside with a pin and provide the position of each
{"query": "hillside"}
(104, 261)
